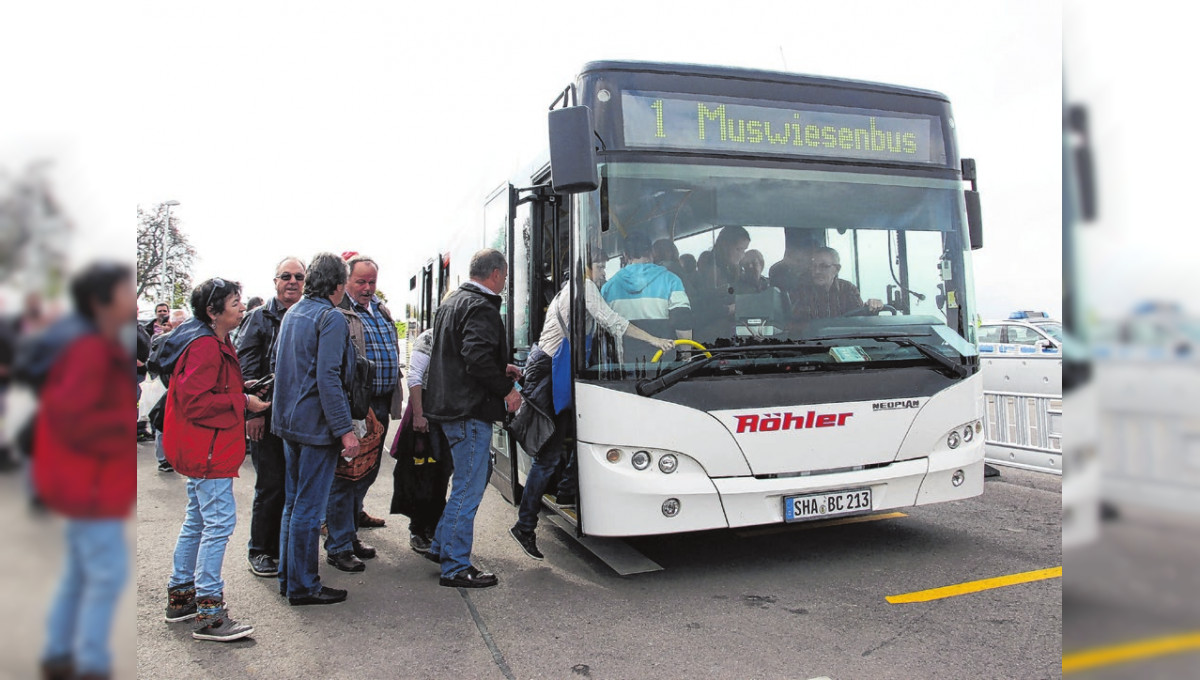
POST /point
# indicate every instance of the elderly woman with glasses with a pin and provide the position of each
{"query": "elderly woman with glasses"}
(203, 438)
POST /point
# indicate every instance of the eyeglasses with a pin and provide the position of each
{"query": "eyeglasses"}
(287, 276)
(824, 265)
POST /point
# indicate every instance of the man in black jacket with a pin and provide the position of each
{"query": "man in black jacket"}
(469, 386)
(256, 354)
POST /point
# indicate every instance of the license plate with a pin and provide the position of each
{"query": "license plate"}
(829, 504)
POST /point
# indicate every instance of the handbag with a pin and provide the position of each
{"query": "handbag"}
(369, 449)
(531, 427)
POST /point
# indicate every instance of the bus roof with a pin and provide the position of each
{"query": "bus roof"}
(730, 72)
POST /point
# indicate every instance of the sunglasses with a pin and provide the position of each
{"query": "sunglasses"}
(287, 276)
(218, 285)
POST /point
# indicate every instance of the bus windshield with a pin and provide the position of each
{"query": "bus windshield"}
(810, 269)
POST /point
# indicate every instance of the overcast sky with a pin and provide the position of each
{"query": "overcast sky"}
(291, 128)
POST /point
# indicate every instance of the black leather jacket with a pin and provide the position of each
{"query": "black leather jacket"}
(466, 378)
(256, 340)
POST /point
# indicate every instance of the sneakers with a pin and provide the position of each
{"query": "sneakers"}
(263, 565)
(181, 603)
(164, 466)
(325, 595)
(469, 578)
(419, 543)
(527, 541)
(366, 521)
(218, 626)
(345, 561)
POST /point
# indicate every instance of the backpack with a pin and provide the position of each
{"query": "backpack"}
(35, 357)
(361, 382)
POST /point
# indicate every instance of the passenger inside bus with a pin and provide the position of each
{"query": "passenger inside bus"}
(717, 284)
(649, 295)
(751, 279)
(825, 295)
(793, 270)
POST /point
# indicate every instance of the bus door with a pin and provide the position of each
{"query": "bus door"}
(498, 213)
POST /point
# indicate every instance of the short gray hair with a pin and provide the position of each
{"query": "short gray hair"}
(487, 261)
(324, 275)
(837, 259)
(359, 259)
(287, 259)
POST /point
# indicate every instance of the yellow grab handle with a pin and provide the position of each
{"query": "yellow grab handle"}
(693, 343)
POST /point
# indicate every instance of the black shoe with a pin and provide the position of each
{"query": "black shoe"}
(419, 543)
(363, 551)
(565, 500)
(469, 578)
(527, 541)
(263, 565)
(346, 561)
(433, 557)
(164, 466)
(325, 595)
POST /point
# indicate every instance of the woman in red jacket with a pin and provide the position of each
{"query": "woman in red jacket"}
(203, 438)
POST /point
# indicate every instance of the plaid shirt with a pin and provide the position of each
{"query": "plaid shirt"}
(382, 348)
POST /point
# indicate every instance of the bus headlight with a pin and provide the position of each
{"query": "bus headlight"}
(614, 455)
(641, 460)
(671, 507)
(968, 433)
(668, 464)
(953, 440)
(958, 478)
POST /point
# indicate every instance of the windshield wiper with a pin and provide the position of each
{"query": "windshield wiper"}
(650, 387)
(959, 370)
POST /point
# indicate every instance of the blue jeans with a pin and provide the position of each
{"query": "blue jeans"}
(207, 526)
(81, 614)
(158, 449)
(470, 447)
(346, 497)
(306, 495)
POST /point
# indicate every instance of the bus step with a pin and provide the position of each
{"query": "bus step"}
(616, 553)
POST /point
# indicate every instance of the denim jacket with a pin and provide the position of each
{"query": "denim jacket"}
(314, 360)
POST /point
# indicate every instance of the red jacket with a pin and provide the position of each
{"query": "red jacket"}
(204, 424)
(84, 451)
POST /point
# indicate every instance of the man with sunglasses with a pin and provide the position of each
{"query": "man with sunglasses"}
(825, 295)
(256, 354)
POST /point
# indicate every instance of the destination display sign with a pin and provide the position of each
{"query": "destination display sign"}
(685, 123)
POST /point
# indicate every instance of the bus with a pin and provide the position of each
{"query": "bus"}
(770, 409)
(1081, 464)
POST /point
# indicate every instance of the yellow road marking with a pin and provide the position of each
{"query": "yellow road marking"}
(975, 586)
(818, 524)
(1130, 651)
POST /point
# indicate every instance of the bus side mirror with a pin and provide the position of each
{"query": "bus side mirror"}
(572, 151)
(974, 214)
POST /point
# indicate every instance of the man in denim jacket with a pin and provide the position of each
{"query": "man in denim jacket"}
(312, 416)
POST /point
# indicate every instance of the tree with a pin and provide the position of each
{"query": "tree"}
(180, 256)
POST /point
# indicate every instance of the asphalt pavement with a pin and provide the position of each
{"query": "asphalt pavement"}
(797, 601)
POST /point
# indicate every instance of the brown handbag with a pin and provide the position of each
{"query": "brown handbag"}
(369, 449)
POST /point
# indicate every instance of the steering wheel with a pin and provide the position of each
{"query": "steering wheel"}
(867, 311)
(692, 343)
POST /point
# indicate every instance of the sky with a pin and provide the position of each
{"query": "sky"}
(292, 128)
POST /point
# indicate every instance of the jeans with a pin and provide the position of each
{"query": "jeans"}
(470, 447)
(346, 497)
(266, 515)
(158, 447)
(307, 483)
(81, 614)
(544, 467)
(207, 526)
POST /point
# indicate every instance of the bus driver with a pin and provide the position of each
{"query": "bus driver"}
(826, 295)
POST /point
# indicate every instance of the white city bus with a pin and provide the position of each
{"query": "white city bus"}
(760, 416)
